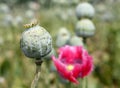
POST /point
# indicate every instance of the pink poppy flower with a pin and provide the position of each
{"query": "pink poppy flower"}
(73, 62)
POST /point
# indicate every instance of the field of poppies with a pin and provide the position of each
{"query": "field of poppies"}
(78, 59)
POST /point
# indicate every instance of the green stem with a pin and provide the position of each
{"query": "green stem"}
(37, 74)
(71, 85)
(86, 82)
(81, 83)
(85, 40)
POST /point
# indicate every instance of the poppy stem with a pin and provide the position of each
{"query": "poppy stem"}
(37, 74)
(85, 40)
(86, 82)
(81, 83)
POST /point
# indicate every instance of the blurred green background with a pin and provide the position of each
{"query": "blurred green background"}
(17, 71)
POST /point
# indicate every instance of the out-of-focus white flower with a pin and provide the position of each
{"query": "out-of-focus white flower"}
(85, 10)
(85, 28)
(2, 80)
(33, 20)
(112, 1)
(4, 8)
(73, 1)
(107, 16)
(101, 8)
(3, 83)
(34, 6)
(8, 20)
(18, 21)
(63, 37)
(30, 14)
(64, 16)
(60, 1)
(65, 2)
(70, 12)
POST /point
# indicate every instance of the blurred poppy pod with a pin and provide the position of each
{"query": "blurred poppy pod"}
(63, 37)
(85, 28)
(35, 42)
(76, 41)
(50, 54)
(85, 10)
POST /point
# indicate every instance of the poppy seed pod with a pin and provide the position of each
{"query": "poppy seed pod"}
(85, 10)
(35, 42)
(76, 41)
(48, 57)
(85, 28)
(63, 37)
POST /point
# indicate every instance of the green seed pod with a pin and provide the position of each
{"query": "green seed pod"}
(85, 28)
(35, 42)
(76, 41)
(63, 37)
(50, 54)
(85, 10)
